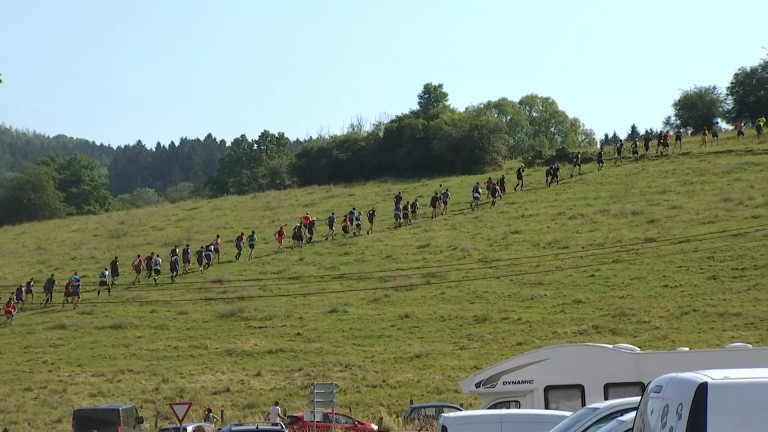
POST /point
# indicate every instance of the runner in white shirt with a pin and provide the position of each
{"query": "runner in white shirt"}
(156, 266)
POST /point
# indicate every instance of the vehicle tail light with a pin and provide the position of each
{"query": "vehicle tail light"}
(73, 423)
(119, 423)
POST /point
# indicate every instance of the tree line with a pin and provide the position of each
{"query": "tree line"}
(50, 177)
(744, 100)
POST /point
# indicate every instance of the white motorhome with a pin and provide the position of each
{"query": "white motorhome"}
(502, 420)
(571, 376)
(719, 400)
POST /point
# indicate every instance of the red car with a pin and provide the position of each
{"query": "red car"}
(330, 421)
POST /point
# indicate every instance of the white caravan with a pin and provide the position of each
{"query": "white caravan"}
(719, 400)
(568, 377)
(502, 420)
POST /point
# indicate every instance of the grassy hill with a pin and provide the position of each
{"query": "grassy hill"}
(664, 253)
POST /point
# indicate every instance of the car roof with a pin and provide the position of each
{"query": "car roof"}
(515, 411)
(109, 406)
(433, 404)
(615, 402)
(169, 425)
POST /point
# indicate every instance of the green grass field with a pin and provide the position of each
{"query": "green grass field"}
(664, 253)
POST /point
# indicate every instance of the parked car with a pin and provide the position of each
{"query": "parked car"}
(107, 418)
(428, 412)
(622, 423)
(593, 417)
(497, 420)
(188, 427)
(255, 426)
(330, 421)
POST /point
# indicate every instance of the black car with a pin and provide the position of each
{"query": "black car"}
(107, 418)
(428, 412)
(256, 426)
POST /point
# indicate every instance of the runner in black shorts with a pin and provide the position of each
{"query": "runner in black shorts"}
(199, 255)
(600, 160)
(576, 163)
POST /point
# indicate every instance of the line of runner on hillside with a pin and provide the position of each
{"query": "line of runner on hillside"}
(150, 266)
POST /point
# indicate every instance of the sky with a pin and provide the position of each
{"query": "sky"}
(116, 72)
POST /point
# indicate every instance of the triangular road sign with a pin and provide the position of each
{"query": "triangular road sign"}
(180, 410)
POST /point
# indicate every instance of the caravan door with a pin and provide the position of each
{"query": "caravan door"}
(513, 401)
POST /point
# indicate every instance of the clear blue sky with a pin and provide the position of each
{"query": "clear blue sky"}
(115, 72)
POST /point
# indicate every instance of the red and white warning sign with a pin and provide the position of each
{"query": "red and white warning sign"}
(180, 410)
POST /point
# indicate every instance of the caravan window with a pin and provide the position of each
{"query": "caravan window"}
(564, 397)
(505, 405)
(622, 390)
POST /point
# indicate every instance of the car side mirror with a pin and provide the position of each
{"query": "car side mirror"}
(140, 420)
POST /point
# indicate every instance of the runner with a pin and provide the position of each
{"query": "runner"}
(476, 194)
(617, 151)
(331, 221)
(555, 175)
(114, 271)
(251, 244)
(217, 248)
(635, 152)
(75, 295)
(29, 291)
(351, 215)
(678, 139)
(200, 256)
(665, 143)
(138, 266)
(67, 292)
(576, 162)
(548, 174)
(174, 267)
(434, 203)
(148, 264)
(494, 194)
(759, 127)
(398, 215)
(407, 214)
(398, 198)
(372, 217)
(279, 237)
(488, 184)
(600, 159)
(715, 135)
(739, 130)
(9, 310)
(104, 282)
(659, 141)
(239, 240)
(19, 297)
(358, 223)
(520, 182)
(305, 220)
(704, 138)
(157, 267)
(50, 283)
(297, 235)
(414, 208)
(311, 229)
(208, 255)
(503, 184)
(186, 259)
(647, 144)
(446, 196)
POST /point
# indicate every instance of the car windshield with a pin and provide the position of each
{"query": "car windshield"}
(87, 420)
(574, 419)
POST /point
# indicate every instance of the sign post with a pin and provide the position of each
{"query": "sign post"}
(321, 396)
(180, 410)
